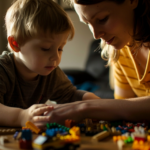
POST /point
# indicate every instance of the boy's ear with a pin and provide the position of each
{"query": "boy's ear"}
(13, 44)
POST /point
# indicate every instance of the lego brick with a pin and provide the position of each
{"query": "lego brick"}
(100, 136)
(32, 127)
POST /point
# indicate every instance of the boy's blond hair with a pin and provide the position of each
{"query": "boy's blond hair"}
(27, 18)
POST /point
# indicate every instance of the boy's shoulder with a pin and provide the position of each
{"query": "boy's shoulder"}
(6, 57)
(6, 63)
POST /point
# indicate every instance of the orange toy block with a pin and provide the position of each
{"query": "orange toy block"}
(32, 127)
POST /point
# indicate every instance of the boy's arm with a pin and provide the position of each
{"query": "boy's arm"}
(11, 116)
(89, 95)
(84, 95)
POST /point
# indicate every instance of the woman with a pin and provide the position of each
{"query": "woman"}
(124, 28)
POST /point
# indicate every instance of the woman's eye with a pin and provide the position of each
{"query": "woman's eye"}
(44, 49)
(60, 49)
(104, 20)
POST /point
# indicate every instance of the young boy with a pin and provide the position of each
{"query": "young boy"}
(37, 31)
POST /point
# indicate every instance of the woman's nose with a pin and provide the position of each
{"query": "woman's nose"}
(97, 34)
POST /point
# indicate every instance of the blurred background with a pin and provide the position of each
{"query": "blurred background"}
(84, 67)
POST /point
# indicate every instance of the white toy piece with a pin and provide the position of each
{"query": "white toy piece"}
(3, 140)
(120, 144)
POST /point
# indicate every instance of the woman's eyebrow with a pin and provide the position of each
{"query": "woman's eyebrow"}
(82, 19)
(90, 18)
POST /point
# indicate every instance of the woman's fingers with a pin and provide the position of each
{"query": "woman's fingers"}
(41, 119)
(42, 126)
(41, 110)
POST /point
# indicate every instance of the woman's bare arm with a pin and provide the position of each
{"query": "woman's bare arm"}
(135, 109)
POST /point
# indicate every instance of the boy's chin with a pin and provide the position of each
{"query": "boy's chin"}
(45, 74)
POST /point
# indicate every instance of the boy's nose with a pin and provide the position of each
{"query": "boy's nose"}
(54, 56)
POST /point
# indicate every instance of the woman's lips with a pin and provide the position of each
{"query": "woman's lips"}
(50, 67)
(110, 41)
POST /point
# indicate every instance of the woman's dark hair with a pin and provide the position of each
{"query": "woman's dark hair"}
(89, 2)
(142, 22)
(142, 18)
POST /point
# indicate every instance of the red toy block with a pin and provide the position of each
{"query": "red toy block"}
(24, 144)
(130, 130)
(140, 139)
(69, 123)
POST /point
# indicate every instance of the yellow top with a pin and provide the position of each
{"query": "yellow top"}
(127, 75)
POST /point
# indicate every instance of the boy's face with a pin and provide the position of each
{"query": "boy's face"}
(41, 55)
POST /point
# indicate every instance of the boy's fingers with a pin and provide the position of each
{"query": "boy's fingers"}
(41, 119)
(39, 105)
(41, 110)
(41, 126)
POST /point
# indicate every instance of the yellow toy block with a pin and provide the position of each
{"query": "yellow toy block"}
(32, 127)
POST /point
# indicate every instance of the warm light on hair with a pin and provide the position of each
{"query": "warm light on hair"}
(27, 18)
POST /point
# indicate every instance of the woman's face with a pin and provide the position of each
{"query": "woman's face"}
(109, 21)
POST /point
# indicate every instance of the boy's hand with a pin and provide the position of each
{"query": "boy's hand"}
(35, 114)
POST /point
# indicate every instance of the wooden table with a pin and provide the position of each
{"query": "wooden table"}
(86, 143)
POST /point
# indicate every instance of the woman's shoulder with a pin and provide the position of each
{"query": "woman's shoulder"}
(124, 53)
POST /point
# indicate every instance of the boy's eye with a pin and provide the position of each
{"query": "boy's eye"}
(44, 49)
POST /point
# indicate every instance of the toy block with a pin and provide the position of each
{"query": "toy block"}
(19, 136)
(3, 140)
(100, 136)
(74, 131)
(90, 131)
(128, 140)
(24, 144)
(115, 132)
(134, 134)
(24, 128)
(116, 138)
(82, 127)
(7, 131)
(16, 134)
(88, 122)
(98, 127)
(69, 123)
(26, 135)
(140, 139)
(120, 144)
(32, 127)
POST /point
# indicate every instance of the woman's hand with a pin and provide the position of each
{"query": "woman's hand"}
(35, 115)
(61, 112)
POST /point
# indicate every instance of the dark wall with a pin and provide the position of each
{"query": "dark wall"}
(4, 5)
